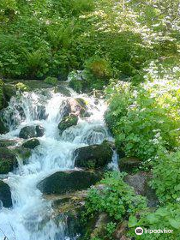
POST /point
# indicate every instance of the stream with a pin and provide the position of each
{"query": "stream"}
(30, 217)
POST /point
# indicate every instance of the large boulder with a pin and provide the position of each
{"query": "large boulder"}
(31, 144)
(66, 122)
(140, 183)
(69, 181)
(94, 156)
(31, 132)
(7, 160)
(129, 164)
(5, 194)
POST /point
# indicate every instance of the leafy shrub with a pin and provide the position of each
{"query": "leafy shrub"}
(117, 199)
(36, 62)
(166, 217)
(143, 119)
(51, 81)
(166, 177)
(98, 67)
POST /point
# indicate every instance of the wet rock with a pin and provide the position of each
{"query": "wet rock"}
(31, 132)
(69, 181)
(100, 226)
(5, 195)
(63, 90)
(67, 122)
(7, 160)
(67, 208)
(94, 156)
(42, 115)
(9, 91)
(3, 128)
(121, 231)
(7, 142)
(31, 144)
(39, 131)
(139, 182)
(78, 106)
(129, 164)
(22, 153)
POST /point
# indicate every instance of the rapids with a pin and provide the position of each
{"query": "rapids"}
(30, 218)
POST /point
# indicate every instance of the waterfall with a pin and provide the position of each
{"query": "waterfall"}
(30, 218)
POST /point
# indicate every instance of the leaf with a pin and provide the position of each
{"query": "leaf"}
(174, 223)
(132, 221)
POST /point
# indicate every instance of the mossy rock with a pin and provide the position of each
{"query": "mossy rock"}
(78, 106)
(8, 160)
(67, 121)
(69, 181)
(31, 132)
(5, 194)
(22, 153)
(9, 91)
(31, 144)
(3, 128)
(7, 143)
(94, 156)
(63, 90)
(129, 164)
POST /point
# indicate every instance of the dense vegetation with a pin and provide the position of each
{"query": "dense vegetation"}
(132, 48)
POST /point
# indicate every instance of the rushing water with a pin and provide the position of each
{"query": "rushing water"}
(30, 217)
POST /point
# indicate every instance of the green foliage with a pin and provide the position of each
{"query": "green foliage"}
(36, 63)
(117, 199)
(166, 217)
(1, 94)
(51, 80)
(22, 87)
(143, 119)
(166, 177)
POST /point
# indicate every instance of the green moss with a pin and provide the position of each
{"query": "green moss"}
(7, 160)
(51, 80)
(31, 144)
(67, 122)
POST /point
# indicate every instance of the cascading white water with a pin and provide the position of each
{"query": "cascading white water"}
(30, 218)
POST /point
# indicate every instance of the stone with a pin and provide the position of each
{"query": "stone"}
(129, 164)
(63, 90)
(67, 122)
(5, 195)
(7, 142)
(42, 115)
(31, 144)
(31, 132)
(3, 128)
(9, 91)
(94, 156)
(7, 160)
(139, 182)
(39, 131)
(69, 181)
(78, 106)
(22, 153)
